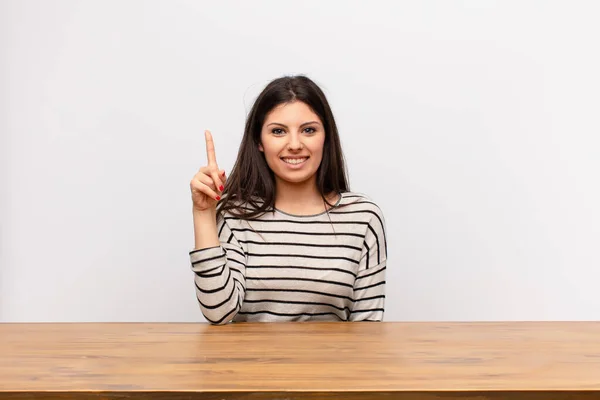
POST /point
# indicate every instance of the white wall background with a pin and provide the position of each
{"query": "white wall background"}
(474, 124)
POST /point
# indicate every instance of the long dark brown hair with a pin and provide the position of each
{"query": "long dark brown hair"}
(250, 188)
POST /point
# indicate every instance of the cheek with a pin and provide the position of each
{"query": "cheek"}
(271, 155)
(318, 148)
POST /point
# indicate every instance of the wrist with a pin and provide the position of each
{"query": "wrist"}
(210, 213)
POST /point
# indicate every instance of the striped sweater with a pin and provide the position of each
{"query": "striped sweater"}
(282, 267)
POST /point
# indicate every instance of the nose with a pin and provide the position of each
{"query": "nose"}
(295, 143)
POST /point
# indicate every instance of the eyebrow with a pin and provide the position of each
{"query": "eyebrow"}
(306, 123)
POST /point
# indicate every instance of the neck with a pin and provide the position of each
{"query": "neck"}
(298, 198)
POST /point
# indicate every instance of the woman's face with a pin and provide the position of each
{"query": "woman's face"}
(292, 139)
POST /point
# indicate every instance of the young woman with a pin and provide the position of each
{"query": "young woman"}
(282, 238)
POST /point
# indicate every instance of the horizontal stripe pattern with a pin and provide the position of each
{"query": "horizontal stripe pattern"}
(281, 267)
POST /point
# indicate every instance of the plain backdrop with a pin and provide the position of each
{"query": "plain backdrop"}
(473, 124)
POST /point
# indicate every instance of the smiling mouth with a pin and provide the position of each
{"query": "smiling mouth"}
(294, 160)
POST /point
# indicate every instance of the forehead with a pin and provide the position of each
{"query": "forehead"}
(295, 112)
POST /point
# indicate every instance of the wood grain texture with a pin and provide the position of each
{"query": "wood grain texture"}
(513, 360)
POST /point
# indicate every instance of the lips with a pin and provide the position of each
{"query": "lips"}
(294, 160)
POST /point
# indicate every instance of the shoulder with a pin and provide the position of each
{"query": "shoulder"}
(364, 208)
(235, 207)
(360, 202)
(236, 215)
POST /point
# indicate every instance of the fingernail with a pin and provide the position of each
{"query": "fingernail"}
(218, 198)
(221, 188)
(223, 173)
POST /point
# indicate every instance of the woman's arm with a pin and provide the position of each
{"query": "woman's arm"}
(369, 286)
(219, 265)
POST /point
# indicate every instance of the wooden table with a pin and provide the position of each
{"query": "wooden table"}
(360, 360)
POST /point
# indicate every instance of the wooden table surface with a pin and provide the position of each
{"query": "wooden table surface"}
(359, 360)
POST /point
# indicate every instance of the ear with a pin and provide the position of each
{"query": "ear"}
(260, 148)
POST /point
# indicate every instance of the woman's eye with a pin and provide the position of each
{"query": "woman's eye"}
(279, 131)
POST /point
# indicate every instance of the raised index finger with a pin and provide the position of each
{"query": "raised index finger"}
(210, 149)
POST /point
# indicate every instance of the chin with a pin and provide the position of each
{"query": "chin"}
(295, 179)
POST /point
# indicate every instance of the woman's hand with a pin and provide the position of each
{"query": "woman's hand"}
(209, 181)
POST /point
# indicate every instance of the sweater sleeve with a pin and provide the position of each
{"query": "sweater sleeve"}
(220, 277)
(369, 286)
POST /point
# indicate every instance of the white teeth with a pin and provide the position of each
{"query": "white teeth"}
(294, 160)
